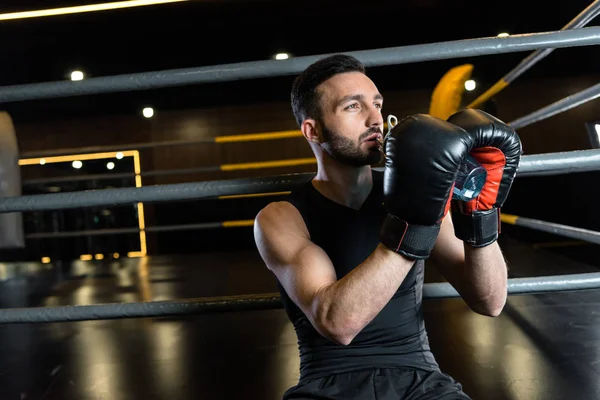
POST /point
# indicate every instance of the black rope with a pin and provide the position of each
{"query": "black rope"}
(151, 194)
(254, 302)
(532, 165)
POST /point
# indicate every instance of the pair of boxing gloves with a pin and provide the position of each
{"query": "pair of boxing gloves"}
(423, 156)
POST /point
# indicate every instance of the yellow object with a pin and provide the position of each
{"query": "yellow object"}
(257, 136)
(447, 95)
(83, 9)
(498, 86)
(235, 224)
(509, 219)
(108, 155)
(268, 164)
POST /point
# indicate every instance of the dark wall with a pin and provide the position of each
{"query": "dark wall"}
(545, 198)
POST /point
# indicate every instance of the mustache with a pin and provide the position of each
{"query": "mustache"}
(368, 133)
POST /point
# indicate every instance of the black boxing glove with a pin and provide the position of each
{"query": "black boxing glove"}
(423, 154)
(497, 147)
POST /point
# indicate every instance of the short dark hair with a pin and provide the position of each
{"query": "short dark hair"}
(304, 97)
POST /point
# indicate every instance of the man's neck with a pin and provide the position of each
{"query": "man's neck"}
(343, 184)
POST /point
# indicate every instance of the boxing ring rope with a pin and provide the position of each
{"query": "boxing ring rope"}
(267, 301)
(575, 161)
(581, 20)
(270, 68)
(565, 162)
(562, 105)
(551, 227)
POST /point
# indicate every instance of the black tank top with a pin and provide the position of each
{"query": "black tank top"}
(396, 337)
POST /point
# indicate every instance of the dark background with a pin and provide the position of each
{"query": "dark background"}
(203, 33)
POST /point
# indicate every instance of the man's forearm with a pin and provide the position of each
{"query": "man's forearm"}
(484, 285)
(349, 304)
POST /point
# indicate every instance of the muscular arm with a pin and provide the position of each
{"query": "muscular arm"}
(338, 309)
(479, 275)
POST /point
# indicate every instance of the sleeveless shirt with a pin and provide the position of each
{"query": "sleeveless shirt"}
(396, 337)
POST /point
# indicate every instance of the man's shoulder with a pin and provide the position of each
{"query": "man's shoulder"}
(278, 213)
(279, 208)
(278, 222)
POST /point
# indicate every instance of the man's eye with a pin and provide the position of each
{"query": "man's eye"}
(353, 105)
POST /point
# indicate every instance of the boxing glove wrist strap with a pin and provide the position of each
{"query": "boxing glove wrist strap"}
(478, 229)
(412, 241)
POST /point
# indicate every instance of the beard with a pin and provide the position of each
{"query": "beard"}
(347, 151)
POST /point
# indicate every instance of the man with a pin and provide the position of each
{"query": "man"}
(348, 248)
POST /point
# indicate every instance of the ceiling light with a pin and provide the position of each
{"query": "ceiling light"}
(119, 155)
(282, 56)
(470, 85)
(503, 34)
(83, 9)
(77, 76)
(148, 112)
(110, 165)
(77, 164)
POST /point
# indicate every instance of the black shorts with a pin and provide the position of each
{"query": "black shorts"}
(380, 384)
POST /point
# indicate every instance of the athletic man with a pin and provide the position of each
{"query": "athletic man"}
(348, 248)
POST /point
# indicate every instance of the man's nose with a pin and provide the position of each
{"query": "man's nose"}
(375, 117)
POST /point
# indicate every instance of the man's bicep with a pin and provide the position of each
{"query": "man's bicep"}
(302, 268)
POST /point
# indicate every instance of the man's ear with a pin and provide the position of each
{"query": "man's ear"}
(310, 131)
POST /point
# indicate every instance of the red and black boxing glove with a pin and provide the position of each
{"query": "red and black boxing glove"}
(497, 147)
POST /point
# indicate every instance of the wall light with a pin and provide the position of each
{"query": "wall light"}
(282, 56)
(503, 34)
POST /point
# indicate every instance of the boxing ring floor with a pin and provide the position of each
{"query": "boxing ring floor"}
(543, 346)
